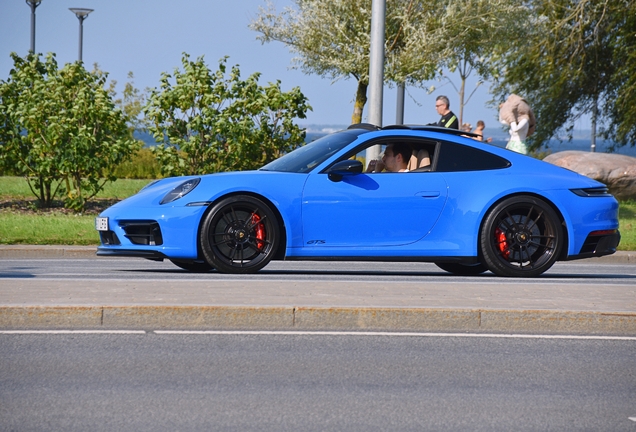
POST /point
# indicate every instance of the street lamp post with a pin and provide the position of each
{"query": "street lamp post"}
(376, 70)
(399, 108)
(81, 14)
(376, 61)
(33, 4)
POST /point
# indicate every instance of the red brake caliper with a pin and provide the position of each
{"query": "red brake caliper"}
(259, 230)
(502, 242)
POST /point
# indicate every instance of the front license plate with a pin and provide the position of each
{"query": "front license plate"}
(101, 223)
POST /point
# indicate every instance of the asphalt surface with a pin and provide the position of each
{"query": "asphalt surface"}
(278, 304)
(236, 382)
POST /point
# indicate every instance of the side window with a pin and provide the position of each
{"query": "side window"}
(458, 157)
(362, 154)
(422, 152)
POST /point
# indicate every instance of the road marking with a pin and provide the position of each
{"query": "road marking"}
(321, 333)
(632, 419)
(411, 281)
(353, 333)
(72, 332)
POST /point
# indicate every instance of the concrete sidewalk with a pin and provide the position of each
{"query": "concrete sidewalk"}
(557, 308)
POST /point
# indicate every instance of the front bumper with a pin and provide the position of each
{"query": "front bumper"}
(151, 232)
(134, 253)
(598, 244)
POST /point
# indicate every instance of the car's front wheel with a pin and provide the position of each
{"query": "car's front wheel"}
(521, 237)
(240, 234)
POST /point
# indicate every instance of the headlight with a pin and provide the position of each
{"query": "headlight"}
(592, 192)
(180, 191)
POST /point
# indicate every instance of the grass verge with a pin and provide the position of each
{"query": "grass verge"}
(48, 229)
(22, 223)
(18, 188)
(627, 220)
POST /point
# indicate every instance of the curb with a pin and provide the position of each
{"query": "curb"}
(46, 252)
(312, 318)
(85, 252)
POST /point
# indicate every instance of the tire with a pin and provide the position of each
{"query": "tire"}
(463, 269)
(240, 234)
(193, 266)
(521, 237)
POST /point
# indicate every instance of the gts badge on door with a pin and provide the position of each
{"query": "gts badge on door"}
(316, 242)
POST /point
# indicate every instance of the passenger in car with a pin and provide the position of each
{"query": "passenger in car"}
(395, 159)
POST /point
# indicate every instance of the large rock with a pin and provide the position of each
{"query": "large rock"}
(617, 172)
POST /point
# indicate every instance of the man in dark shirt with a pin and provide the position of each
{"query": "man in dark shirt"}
(448, 120)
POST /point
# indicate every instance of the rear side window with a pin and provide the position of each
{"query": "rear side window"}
(457, 157)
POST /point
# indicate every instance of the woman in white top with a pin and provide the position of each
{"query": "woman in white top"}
(518, 133)
(516, 113)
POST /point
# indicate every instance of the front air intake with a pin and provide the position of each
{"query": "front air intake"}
(145, 233)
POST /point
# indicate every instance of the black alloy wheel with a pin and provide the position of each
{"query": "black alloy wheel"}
(240, 234)
(521, 237)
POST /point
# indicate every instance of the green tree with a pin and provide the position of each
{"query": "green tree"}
(474, 35)
(142, 164)
(620, 106)
(61, 129)
(131, 103)
(210, 122)
(332, 40)
(577, 59)
(422, 37)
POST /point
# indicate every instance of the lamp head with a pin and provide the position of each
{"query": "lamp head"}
(81, 13)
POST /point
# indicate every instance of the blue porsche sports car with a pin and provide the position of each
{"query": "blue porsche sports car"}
(467, 206)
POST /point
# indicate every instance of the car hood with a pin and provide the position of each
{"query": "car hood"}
(269, 184)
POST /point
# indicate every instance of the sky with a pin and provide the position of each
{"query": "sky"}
(148, 37)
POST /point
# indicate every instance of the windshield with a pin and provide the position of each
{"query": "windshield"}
(305, 158)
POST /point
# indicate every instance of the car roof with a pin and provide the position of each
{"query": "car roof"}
(428, 128)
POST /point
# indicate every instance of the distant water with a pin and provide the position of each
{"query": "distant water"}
(149, 140)
(499, 139)
(554, 146)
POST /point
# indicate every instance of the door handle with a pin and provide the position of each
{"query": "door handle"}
(428, 194)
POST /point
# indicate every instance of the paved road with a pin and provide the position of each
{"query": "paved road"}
(99, 281)
(136, 293)
(160, 382)
(587, 272)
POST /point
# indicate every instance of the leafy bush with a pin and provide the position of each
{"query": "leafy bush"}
(208, 122)
(61, 130)
(143, 165)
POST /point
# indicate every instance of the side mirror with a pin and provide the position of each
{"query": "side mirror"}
(344, 168)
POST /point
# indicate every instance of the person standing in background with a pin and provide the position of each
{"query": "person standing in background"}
(449, 119)
(516, 113)
(479, 130)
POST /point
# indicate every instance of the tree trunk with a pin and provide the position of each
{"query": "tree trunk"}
(361, 100)
(593, 125)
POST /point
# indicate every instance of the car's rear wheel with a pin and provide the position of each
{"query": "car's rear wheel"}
(193, 266)
(463, 269)
(521, 237)
(240, 234)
